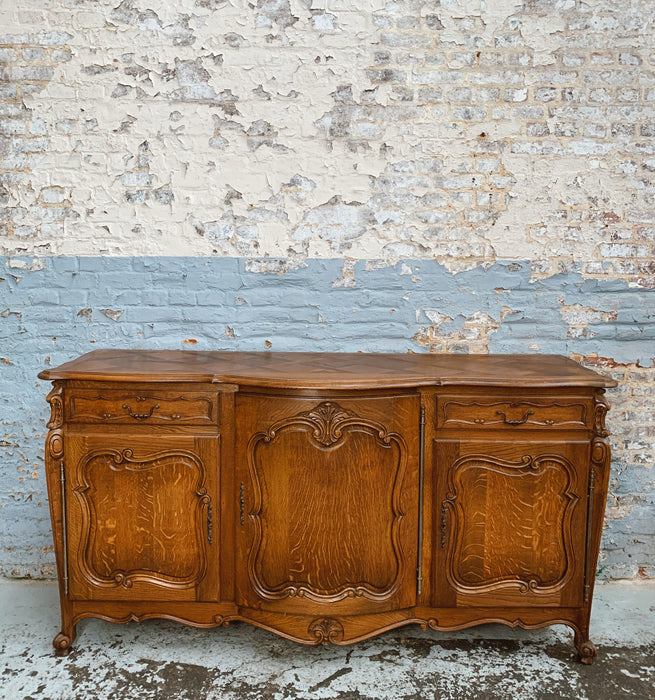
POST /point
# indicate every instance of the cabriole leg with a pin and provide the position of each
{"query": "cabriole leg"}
(63, 642)
(586, 648)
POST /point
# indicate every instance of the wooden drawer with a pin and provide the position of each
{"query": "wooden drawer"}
(138, 406)
(507, 412)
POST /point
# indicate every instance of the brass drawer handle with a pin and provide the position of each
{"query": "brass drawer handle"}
(514, 422)
(140, 416)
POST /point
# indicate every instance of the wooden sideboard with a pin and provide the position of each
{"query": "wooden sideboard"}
(327, 497)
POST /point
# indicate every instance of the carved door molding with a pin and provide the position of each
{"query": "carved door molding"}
(512, 522)
(542, 468)
(141, 519)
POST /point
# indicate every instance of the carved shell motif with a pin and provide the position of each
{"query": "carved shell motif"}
(326, 630)
(327, 420)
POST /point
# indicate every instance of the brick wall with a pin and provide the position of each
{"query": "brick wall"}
(296, 174)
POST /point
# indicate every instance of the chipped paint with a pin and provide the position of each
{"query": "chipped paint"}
(462, 334)
(465, 132)
(158, 659)
(580, 317)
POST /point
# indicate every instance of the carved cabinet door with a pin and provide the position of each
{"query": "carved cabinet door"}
(510, 522)
(140, 522)
(329, 499)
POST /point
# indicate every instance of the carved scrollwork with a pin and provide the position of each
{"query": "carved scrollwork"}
(203, 497)
(56, 400)
(529, 586)
(56, 475)
(303, 592)
(55, 439)
(588, 652)
(601, 408)
(562, 414)
(599, 466)
(123, 579)
(585, 647)
(326, 630)
(600, 451)
(89, 406)
(600, 448)
(62, 644)
(328, 418)
(327, 422)
(55, 445)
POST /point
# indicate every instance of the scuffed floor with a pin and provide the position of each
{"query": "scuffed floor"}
(160, 659)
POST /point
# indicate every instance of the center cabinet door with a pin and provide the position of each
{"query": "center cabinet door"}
(329, 499)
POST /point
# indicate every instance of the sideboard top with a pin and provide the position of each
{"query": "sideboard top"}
(306, 370)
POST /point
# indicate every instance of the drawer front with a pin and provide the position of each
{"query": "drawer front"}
(509, 413)
(150, 407)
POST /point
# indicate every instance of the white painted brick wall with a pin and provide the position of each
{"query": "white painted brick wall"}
(461, 131)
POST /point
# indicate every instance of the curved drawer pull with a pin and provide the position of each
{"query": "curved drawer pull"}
(140, 416)
(514, 422)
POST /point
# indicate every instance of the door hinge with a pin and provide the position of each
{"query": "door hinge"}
(421, 466)
(590, 517)
(242, 504)
(64, 524)
(210, 523)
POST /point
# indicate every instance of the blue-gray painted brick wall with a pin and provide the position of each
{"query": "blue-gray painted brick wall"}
(73, 305)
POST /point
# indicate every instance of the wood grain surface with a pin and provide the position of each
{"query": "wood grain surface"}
(327, 370)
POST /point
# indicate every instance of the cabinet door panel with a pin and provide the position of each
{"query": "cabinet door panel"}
(512, 522)
(331, 502)
(140, 517)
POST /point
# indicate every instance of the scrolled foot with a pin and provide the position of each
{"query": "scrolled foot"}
(62, 644)
(587, 651)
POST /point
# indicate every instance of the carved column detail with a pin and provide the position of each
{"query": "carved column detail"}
(55, 440)
(56, 473)
(56, 478)
(600, 447)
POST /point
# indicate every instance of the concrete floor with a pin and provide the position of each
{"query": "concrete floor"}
(159, 659)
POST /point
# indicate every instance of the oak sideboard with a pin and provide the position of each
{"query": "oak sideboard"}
(327, 497)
